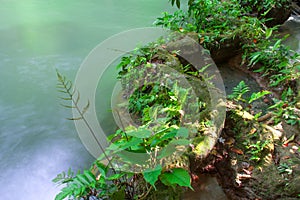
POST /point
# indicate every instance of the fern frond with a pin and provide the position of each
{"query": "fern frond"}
(86, 107)
(238, 91)
(71, 94)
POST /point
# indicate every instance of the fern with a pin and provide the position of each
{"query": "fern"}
(79, 186)
(238, 91)
(70, 94)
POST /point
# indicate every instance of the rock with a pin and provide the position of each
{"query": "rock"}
(226, 50)
(278, 15)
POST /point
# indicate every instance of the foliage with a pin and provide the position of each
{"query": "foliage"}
(149, 99)
(160, 142)
(238, 91)
(215, 22)
(241, 89)
(263, 6)
(256, 150)
(285, 168)
(285, 109)
(276, 61)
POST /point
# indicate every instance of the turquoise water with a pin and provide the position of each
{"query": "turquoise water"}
(36, 37)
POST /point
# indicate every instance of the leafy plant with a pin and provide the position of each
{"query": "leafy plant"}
(285, 168)
(238, 91)
(256, 149)
(257, 95)
(160, 142)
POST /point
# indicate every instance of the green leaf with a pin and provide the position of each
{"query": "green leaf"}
(121, 145)
(276, 45)
(62, 195)
(260, 70)
(141, 133)
(168, 135)
(254, 58)
(177, 176)
(83, 179)
(90, 176)
(102, 168)
(182, 132)
(178, 3)
(258, 95)
(115, 176)
(151, 175)
(180, 142)
(171, 147)
(268, 33)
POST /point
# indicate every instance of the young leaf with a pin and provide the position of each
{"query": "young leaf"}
(151, 175)
(177, 176)
(141, 133)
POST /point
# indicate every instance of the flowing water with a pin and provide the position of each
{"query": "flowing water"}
(36, 37)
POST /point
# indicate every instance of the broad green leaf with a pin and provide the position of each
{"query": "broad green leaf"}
(122, 145)
(180, 142)
(133, 158)
(167, 151)
(171, 147)
(182, 132)
(141, 133)
(151, 175)
(169, 135)
(177, 176)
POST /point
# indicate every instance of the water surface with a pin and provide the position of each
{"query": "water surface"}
(36, 37)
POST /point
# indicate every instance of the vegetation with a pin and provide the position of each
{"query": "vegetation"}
(170, 129)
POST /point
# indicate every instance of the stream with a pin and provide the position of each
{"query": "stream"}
(36, 38)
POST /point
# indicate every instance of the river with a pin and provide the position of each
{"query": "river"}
(37, 37)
